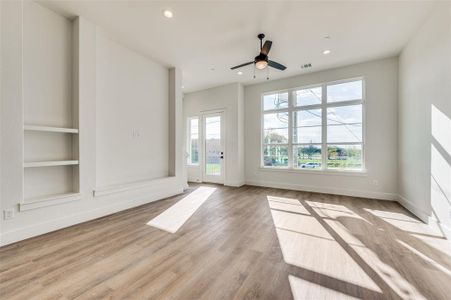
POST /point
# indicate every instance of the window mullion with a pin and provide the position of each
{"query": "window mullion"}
(189, 141)
(290, 129)
(324, 127)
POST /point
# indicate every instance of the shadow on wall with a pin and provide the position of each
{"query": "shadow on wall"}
(441, 169)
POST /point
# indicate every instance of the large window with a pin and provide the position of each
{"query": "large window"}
(318, 127)
(193, 141)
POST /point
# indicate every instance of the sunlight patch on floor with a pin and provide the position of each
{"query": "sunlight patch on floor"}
(175, 216)
(305, 243)
(390, 215)
(303, 289)
(389, 275)
(438, 243)
(427, 258)
(285, 204)
(407, 223)
(341, 220)
(331, 210)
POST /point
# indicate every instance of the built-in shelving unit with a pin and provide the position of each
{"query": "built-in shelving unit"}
(51, 166)
(51, 121)
(49, 129)
(53, 163)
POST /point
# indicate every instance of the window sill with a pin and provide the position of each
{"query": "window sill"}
(361, 173)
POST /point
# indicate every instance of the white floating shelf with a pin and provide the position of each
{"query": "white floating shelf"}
(50, 163)
(48, 201)
(49, 129)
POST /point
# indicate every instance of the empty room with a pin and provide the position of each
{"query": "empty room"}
(225, 149)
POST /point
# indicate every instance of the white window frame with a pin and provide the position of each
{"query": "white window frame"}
(188, 140)
(292, 108)
(281, 110)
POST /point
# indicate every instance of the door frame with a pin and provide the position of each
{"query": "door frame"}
(202, 117)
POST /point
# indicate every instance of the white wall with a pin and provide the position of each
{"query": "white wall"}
(11, 108)
(425, 119)
(380, 136)
(132, 115)
(85, 87)
(47, 67)
(230, 99)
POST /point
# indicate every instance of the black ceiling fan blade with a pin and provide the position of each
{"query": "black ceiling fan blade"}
(242, 65)
(266, 47)
(276, 65)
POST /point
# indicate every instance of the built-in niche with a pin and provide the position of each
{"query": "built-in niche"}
(51, 135)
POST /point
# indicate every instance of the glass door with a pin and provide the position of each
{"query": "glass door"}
(213, 169)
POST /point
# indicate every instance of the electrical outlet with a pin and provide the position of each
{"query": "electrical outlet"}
(375, 182)
(8, 214)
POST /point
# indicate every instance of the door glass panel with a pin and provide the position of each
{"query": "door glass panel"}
(213, 145)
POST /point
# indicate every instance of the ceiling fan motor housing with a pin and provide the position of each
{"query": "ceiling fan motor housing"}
(261, 57)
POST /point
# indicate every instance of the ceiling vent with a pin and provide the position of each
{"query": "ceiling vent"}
(306, 66)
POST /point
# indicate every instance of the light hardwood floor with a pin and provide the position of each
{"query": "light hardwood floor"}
(242, 243)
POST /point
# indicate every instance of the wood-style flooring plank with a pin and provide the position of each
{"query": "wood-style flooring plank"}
(243, 243)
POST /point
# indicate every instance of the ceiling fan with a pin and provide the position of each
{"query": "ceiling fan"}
(261, 61)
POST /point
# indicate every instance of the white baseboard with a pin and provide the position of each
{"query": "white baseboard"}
(326, 190)
(66, 221)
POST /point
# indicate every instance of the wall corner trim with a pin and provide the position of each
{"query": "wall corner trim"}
(414, 209)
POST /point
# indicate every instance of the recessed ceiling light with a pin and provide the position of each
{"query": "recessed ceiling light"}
(325, 52)
(240, 73)
(183, 86)
(168, 14)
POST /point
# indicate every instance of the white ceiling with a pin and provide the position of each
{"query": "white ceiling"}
(205, 39)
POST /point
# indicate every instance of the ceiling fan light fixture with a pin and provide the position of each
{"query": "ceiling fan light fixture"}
(261, 64)
(168, 14)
